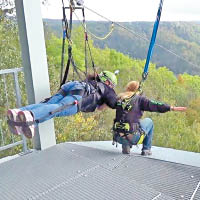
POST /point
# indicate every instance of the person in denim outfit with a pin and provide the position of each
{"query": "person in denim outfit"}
(132, 119)
(74, 96)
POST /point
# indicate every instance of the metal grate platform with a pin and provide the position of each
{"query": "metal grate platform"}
(70, 171)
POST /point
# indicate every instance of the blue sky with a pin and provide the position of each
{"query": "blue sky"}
(131, 10)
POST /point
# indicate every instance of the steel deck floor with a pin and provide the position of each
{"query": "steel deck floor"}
(71, 171)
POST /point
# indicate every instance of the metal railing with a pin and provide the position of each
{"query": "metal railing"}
(10, 95)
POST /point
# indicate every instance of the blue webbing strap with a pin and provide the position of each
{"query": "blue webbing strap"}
(153, 39)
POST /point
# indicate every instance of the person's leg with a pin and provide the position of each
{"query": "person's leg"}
(52, 100)
(72, 107)
(126, 149)
(31, 106)
(73, 85)
(42, 108)
(125, 145)
(39, 114)
(43, 113)
(132, 140)
(148, 127)
(13, 116)
(30, 113)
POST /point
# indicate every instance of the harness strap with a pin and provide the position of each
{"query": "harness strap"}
(13, 123)
(125, 134)
(67, 66)
(67, 33)
(62, 108)
(117, 134)
(86, 40)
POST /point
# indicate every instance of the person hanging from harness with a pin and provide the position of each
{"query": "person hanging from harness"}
(128, 128)
(74, 96)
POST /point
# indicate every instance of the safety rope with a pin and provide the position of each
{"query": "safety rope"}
(106, 36)
(86, 40)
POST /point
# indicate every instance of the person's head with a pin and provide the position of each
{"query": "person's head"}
(132, 86)
(108, 78)
(130, 89)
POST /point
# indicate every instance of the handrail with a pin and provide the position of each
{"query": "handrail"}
(8, 71)
(4, 73)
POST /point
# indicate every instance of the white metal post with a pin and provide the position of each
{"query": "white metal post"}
(34, 61)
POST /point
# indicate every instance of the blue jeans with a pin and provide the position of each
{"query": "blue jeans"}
(41, 111)
(147, 126)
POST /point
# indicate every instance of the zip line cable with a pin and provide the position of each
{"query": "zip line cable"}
(142, 37)
(178, 56)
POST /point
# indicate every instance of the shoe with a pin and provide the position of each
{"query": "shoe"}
(146, 152)
(26, 116)
(125, 149)
(12, 115)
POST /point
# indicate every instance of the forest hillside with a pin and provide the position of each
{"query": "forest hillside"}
(177, 44)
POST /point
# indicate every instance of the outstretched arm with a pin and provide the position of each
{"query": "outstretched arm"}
(180, 109)
(154, 106)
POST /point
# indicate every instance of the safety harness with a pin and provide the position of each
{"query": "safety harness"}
(126, 128)
(67, 33)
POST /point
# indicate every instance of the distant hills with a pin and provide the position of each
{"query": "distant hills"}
(178, 43)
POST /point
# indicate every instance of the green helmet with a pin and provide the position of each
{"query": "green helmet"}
(106, 75)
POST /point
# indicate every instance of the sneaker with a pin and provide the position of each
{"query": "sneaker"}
(12, 115)
(125, 149)
(146, 152)
(26, 116)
